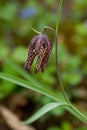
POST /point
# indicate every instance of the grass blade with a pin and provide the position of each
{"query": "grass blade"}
(28, 76)
(30, 85)
(43, 111)
(21, 71)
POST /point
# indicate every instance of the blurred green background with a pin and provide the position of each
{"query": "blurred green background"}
(16, 18)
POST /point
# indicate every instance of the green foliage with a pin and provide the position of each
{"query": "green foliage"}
(54, 128)
(7, 87)
(8, 11)
(82, 128)
(66, 126)
(19, 54)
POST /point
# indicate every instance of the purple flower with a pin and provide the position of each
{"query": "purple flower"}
(41, 47)
(27, 13)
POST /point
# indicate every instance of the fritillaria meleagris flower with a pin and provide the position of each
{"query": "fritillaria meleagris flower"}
(41, 47)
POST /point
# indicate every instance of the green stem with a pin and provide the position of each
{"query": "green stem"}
(35, 30)
(58, 15)
(57, 65)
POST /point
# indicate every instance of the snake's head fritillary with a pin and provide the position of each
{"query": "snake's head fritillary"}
(41, 47)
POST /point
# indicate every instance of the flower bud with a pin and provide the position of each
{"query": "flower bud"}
(41, 47)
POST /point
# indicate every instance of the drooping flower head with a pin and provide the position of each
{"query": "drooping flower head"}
(41, 47)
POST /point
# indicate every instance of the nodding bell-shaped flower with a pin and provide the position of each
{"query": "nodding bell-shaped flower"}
(41, 47)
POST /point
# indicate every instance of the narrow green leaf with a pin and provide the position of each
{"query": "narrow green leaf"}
(30, 85)
(28, 76)
(75, 112)
(51, 106)
(43, 111)
(23, 73)
(20, 70)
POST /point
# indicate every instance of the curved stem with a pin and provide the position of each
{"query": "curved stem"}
(35, 30)
(57, 65)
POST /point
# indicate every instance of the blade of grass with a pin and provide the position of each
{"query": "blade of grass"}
(26, 75)
(51, 106)
(42, 111)
(21, 71)
(30, 85)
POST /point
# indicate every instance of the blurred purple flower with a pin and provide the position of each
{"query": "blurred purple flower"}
(28, 12)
